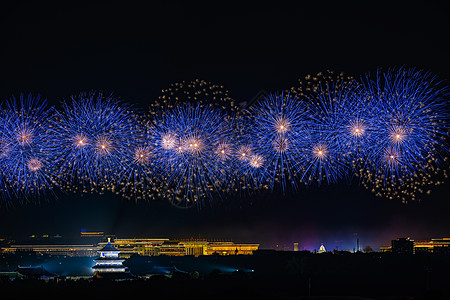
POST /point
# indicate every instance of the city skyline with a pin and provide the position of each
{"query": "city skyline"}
(310, 233)
(90, 242)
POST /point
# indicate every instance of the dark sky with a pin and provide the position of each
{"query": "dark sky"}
(135, 51)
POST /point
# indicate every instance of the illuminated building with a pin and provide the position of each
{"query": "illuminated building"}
(109, 260)
(230, 248)
(385, 249)
(172, 248)
(433, 245)
(92, 237)
(398, 246)
(195, 247)
(109, 265)
(54, 250)
(402, 246)
(143, 247)
(322, 249)
(90, 234)
(295, 246)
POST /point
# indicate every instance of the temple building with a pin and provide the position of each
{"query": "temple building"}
(109, 265)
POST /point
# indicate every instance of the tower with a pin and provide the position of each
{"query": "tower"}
(357, 249)
(109, 261)
(295, 246)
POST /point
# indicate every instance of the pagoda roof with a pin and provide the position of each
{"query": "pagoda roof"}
(96, 267)
(109, 247)
(109, 259)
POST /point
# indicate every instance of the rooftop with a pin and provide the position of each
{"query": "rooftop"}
(109, 247)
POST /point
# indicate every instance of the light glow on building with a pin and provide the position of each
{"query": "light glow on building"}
(142, 247)
(109, 260)
(426, 246)
(195, 247)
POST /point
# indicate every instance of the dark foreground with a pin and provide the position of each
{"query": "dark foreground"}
(268, 276)
(220, 287)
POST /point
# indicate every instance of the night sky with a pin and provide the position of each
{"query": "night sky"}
(136, 51)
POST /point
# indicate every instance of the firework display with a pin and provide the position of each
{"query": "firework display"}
(387, 132)
(408, 144)
(195, 91)
(191, 151)
(29, 149)
(280, 129)
(98, 142)
(205, 95)
(340, 134)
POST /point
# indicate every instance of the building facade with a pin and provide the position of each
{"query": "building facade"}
(408, 246)
(194, 247)
(54, 250)
(143, 247)
(441, 245)
(230, 248)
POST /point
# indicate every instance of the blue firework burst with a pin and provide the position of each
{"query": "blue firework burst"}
(96, 134)
(28, 148)
(328, 139)
(277, 131)
(248, 165)
(138, 173)
(320, 158)
(390, 129)
(342, 123)
(410, 116)
(191, 148)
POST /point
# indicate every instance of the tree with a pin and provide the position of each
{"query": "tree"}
(368, 249)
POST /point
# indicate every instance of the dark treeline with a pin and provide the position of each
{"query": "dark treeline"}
(281, 275)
